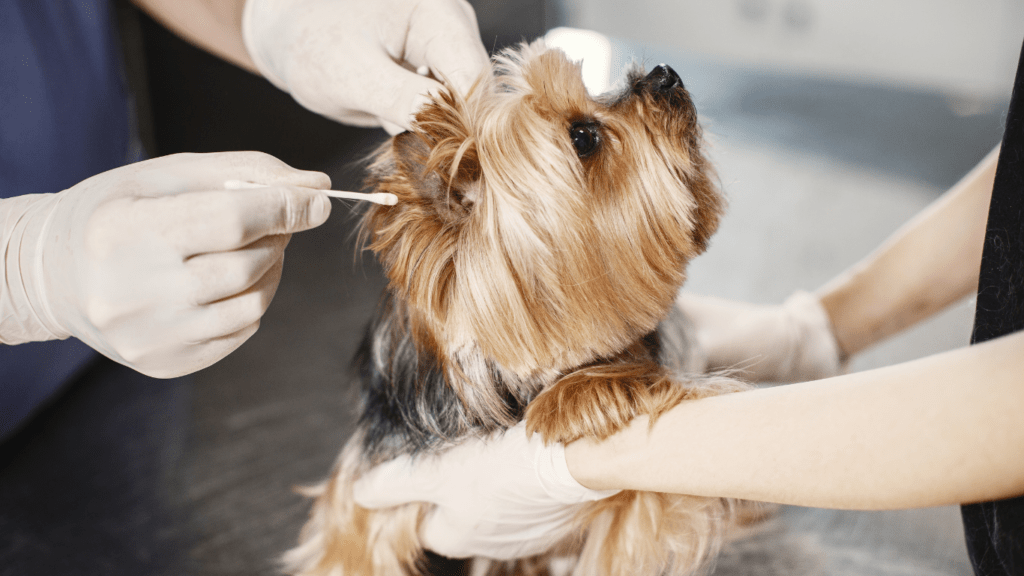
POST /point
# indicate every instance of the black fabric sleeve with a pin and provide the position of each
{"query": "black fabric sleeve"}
(995, 530)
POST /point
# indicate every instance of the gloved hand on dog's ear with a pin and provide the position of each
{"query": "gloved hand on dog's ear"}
(502, 497)
(792, 342)
(355, 60)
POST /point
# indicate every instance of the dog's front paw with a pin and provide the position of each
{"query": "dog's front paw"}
(593, 402)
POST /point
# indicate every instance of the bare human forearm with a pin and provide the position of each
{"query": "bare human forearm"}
(928, 264)
(940, 430)
(213, 25)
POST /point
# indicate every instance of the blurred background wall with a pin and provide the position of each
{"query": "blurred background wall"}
(963, 47)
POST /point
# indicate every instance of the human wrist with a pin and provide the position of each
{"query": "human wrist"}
(598, 464)
(561, 484)
(851, 325)
(25, 314)
(816, 351)
(581, 461)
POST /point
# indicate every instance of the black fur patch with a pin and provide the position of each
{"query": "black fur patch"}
(407, 404)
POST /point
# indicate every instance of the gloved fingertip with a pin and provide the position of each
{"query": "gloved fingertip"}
(317, 180)
(441, 535)
(389, 484)
(319, 209)
(462, 80)
(364, 495)
(458, 59)
(370, 492)
(421, 92)
(461, 83)
(421, 100)
(391, 128)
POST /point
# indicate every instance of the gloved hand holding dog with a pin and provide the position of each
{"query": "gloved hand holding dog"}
(504, 497)
(356, 61)
(791, 342)
(154, 264)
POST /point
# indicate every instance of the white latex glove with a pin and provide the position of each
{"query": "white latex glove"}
(503, 497)
(788, 343)
(356, 60)
(154, 264)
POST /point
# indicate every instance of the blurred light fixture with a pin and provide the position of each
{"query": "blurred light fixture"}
(592, 48)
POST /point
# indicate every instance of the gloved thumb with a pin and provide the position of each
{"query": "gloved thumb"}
(445, 535)
(304, 209)
(395, 482)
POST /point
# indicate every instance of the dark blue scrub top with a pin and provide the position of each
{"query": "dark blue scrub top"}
(65, 115)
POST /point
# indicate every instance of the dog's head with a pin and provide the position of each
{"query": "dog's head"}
(538, 226)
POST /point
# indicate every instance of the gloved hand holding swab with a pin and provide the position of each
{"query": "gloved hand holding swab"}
(155, 264)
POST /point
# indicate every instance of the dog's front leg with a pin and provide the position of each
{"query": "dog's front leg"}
(598, 401)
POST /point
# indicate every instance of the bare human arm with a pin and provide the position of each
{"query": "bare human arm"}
(941, 430)
(927, 265)
(213, 25)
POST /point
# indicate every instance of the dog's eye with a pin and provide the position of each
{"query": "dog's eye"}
(584, 138)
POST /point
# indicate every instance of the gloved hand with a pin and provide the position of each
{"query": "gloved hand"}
(788, 343)
(354, 60)
(503, 497)
(154, 264)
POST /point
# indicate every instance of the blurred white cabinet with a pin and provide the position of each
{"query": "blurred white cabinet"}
(963, 47)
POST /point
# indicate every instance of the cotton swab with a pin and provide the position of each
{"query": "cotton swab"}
(383, 198)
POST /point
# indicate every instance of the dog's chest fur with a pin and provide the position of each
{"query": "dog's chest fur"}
(408, 405)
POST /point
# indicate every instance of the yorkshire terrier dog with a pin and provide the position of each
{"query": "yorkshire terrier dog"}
(539, 239)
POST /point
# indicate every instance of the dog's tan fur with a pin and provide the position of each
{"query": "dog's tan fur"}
(528, 271)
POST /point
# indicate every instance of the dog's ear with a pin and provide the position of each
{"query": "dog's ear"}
(410, 153)
(440, 156)
(434, 170)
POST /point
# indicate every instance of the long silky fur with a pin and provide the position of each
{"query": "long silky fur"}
(525, 282)
(343, 539)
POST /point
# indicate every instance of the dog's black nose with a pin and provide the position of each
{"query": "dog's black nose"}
(663, 77)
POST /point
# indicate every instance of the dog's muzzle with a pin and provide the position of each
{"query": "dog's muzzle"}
(663, 85)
